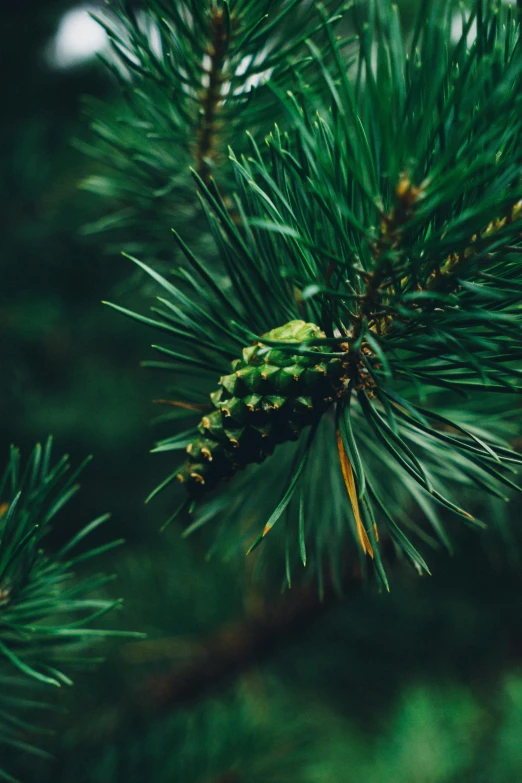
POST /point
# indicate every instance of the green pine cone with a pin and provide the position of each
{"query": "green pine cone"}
(268, 398)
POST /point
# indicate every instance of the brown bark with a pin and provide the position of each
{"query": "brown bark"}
(239, 646)
(206, 143)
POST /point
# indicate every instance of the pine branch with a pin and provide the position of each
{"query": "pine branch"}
(46, 614)
(393, 212)
(238, 647)
(211, 97)
(192, 76)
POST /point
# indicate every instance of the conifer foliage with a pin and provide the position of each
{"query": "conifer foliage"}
(340, 308)
(186, 72)
(46, 613)
(388, 215)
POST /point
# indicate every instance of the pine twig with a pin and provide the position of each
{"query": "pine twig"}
(206, 150)
(237, 647)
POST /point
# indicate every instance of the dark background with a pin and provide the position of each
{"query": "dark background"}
(68, 365)
(423, 685)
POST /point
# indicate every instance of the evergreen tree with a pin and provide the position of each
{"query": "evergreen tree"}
(340, 313)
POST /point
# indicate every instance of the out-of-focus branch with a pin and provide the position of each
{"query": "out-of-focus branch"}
(242, 644)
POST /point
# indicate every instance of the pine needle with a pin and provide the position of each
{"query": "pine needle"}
(349, 483)
(191, 406)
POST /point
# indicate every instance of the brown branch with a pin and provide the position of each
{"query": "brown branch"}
(206, 136)
(390, 235)
(239, 646)
(478, 243)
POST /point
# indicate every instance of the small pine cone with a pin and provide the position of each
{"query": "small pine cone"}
(270, 396)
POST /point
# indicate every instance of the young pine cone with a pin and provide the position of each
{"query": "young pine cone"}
(268, 398)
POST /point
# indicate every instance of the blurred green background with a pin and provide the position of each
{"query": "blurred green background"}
(424, 685)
